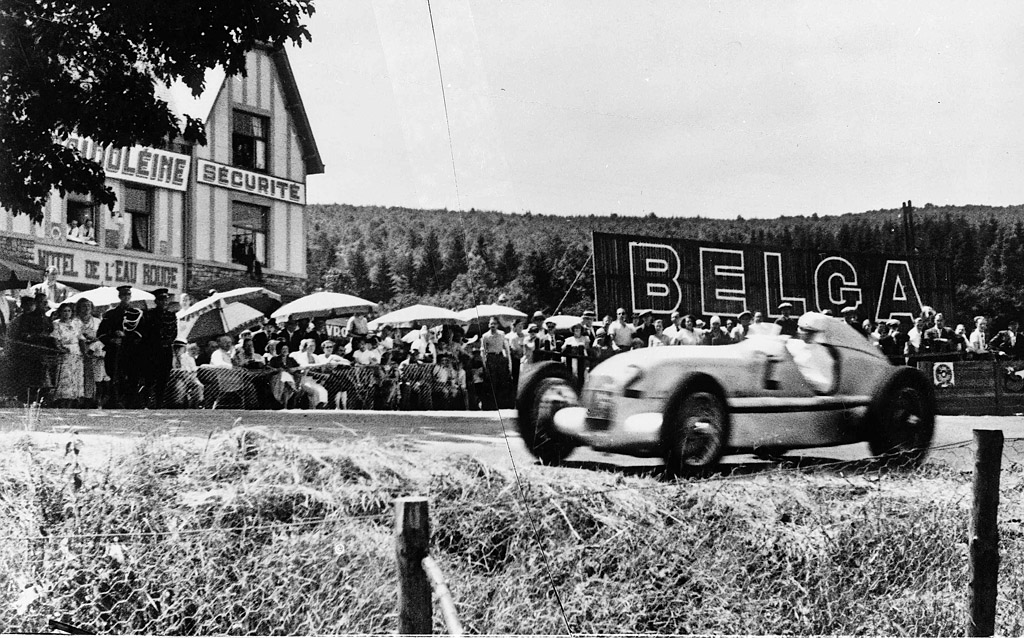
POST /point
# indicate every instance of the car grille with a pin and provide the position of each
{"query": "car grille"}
(601, 410)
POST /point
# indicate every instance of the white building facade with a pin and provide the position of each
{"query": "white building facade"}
(219, 216)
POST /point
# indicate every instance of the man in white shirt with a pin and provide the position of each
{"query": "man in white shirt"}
(221, 357)
(367, 355)
(675, 322)
(915, 337)
(307, 358)
(978, 341)
(621, 333)
(739, 332)
(54, 291)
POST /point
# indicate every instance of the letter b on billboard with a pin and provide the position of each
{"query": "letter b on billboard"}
(654, 277)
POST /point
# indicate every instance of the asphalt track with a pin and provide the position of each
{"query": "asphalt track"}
(488, 435)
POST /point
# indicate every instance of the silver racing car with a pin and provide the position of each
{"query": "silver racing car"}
(764, 395)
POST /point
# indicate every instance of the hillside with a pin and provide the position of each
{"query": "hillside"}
(399, 256)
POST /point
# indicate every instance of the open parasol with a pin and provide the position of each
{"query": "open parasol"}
(323, 304)
(255, 297)
(421, 314)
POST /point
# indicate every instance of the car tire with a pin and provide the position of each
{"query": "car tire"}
(696, 431)
(548, 388)
(901, 419)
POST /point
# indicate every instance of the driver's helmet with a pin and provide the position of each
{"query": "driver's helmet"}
(813, 322)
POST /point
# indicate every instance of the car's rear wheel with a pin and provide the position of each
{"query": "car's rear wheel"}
(901, 419)
(548, 390)
(696, 432)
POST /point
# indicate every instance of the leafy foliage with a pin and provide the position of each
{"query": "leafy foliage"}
(540, 262)
(93, 68)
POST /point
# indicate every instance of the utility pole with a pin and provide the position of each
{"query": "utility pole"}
(909, 241)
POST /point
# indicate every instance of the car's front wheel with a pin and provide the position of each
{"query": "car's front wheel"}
(547, 391)
(901, 419)
(696, 432)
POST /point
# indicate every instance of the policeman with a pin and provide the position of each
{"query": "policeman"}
(160, 329)
(120, 331)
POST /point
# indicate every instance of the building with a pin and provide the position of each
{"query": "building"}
(223, 215)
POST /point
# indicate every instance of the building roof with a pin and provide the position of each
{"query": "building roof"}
(181, 102)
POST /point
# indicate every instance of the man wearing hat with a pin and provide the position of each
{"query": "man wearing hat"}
(787, 322)
(850, 317)
(30, 337)
(887, 343)
(159, 330)
(646, 329)
(547, 342)
(587, 321)
(121, 333)
(739, 333)
(812, 358)
(538, 320)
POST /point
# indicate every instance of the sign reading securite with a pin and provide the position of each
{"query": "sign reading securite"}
(702, 278)
(245, 181)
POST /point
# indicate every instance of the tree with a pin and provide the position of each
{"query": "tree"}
(404, 273)
(456, 260)
(383, 288)
(359, 271)
(92, 68)
(430, 270)
(508, 263)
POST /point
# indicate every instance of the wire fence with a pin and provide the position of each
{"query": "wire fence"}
(252, 534)
(33, 373)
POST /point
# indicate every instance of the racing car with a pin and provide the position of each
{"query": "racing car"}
(765, 395)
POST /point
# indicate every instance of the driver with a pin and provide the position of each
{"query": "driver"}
(811, 356)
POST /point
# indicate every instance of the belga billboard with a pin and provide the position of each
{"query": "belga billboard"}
(706, 278)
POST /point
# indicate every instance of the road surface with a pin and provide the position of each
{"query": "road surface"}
(490, 436)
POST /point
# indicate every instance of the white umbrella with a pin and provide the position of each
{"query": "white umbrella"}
(323, 304)
(563, 322)
(420, 313)
(482, 313)
(106, 297)
(259, 298)
(216, 321)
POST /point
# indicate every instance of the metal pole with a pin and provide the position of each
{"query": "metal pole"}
(412, 538)
(984, 545)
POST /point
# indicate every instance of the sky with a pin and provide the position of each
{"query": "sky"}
(680, 108)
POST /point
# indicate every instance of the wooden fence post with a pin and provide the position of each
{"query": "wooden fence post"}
(984, 545)
(412, 538)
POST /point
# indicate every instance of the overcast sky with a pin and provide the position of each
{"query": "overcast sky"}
(681, 108)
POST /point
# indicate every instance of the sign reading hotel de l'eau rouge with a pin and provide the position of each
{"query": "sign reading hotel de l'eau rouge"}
(705, 279)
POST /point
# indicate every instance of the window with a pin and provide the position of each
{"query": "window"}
(249, 141)
(138, 217)
(249, 235)
(81, 219)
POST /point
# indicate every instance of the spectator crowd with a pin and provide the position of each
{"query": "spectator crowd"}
(65, 354)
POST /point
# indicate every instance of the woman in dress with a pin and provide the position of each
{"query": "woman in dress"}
(68, 334)
(659, 338)
(94, 375)
(687, 334)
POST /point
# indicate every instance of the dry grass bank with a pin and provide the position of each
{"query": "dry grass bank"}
(251, 532)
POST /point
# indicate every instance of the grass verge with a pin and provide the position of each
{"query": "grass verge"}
(253, 532)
